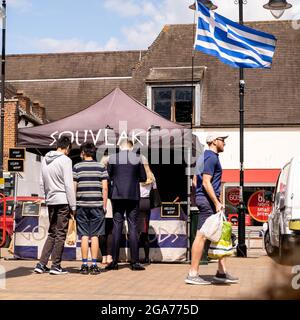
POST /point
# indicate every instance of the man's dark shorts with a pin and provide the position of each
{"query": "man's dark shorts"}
(90, 221)
(206, 209)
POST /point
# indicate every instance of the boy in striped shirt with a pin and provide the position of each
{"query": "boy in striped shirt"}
(90, 181)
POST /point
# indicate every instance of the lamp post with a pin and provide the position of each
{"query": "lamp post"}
(277, 8)
(3, 18)
(273, 5)
(241, 247)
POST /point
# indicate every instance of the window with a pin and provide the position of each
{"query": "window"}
(173, 103)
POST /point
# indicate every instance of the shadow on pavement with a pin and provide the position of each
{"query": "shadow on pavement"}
(19, 272)
(75, 270)
(210, 278)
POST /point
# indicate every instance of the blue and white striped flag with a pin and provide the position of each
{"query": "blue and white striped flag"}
(234, 44)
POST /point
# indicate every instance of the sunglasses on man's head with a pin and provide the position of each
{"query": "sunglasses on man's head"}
(221, 139)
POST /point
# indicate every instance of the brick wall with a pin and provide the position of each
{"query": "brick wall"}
(10, 128)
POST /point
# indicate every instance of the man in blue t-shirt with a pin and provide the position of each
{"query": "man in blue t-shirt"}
(208, 188)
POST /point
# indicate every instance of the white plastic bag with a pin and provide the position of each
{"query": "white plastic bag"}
(212, 227)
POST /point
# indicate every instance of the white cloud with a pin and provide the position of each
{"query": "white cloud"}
(127, 8)
(113, 44)
(19, 4)
(141, 36)
(295, 12)
(147, 17)
(67, 45)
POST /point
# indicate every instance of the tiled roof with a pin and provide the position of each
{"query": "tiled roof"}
(67, 83)
(272, 95)
(71, 65)
(63, 98)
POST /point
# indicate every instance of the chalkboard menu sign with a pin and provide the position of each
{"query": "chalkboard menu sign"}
(30, 209)
(17, 153)
(15, 165)
(170, 210)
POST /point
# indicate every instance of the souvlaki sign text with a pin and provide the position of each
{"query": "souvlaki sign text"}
(113, 136)
(106, 136)
(102, 136)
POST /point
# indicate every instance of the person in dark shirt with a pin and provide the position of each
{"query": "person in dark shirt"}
(208, 189)
(90, 181)
(126, 171)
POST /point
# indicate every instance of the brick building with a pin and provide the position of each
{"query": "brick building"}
(19, 112)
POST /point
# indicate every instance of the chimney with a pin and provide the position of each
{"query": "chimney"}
(38, 110)
(24, 101)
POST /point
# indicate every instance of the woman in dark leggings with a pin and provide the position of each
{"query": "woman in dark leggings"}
(105, 242)
(144, 212)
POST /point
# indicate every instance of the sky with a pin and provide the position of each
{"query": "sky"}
(48, 26)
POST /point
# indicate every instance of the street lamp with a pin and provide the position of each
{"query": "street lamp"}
(207, 3)
(241, 247)
(3, 18)
(277, 7)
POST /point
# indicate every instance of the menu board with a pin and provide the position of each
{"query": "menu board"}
(170, 210)
(31, 209)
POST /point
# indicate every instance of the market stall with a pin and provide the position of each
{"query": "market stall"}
(168, 146)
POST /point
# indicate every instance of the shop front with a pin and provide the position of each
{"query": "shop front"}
(258, 183)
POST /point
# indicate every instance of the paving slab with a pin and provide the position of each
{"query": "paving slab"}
(163, 281)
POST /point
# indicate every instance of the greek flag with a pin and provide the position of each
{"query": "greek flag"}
(234, 44)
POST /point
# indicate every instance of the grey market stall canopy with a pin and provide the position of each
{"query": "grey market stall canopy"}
(114, 117)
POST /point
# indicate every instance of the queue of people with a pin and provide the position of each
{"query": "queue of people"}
(101, 194)
(96, 195)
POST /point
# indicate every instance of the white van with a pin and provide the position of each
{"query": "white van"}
(282, 231)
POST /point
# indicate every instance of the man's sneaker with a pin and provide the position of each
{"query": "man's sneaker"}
(94, 269)
(225, 278)
(196, 280)
(57, 270)
(84, 269)
(41, 268)
(136, 267)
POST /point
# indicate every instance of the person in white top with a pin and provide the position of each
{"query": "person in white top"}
(106, 241)
(145, 210)
(56, 181)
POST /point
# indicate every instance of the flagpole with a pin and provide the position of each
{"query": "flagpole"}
(189, 179)
(241, 247)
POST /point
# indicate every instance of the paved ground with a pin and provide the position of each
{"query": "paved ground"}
(159, 281)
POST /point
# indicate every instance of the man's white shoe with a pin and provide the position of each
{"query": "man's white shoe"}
(196, 280)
